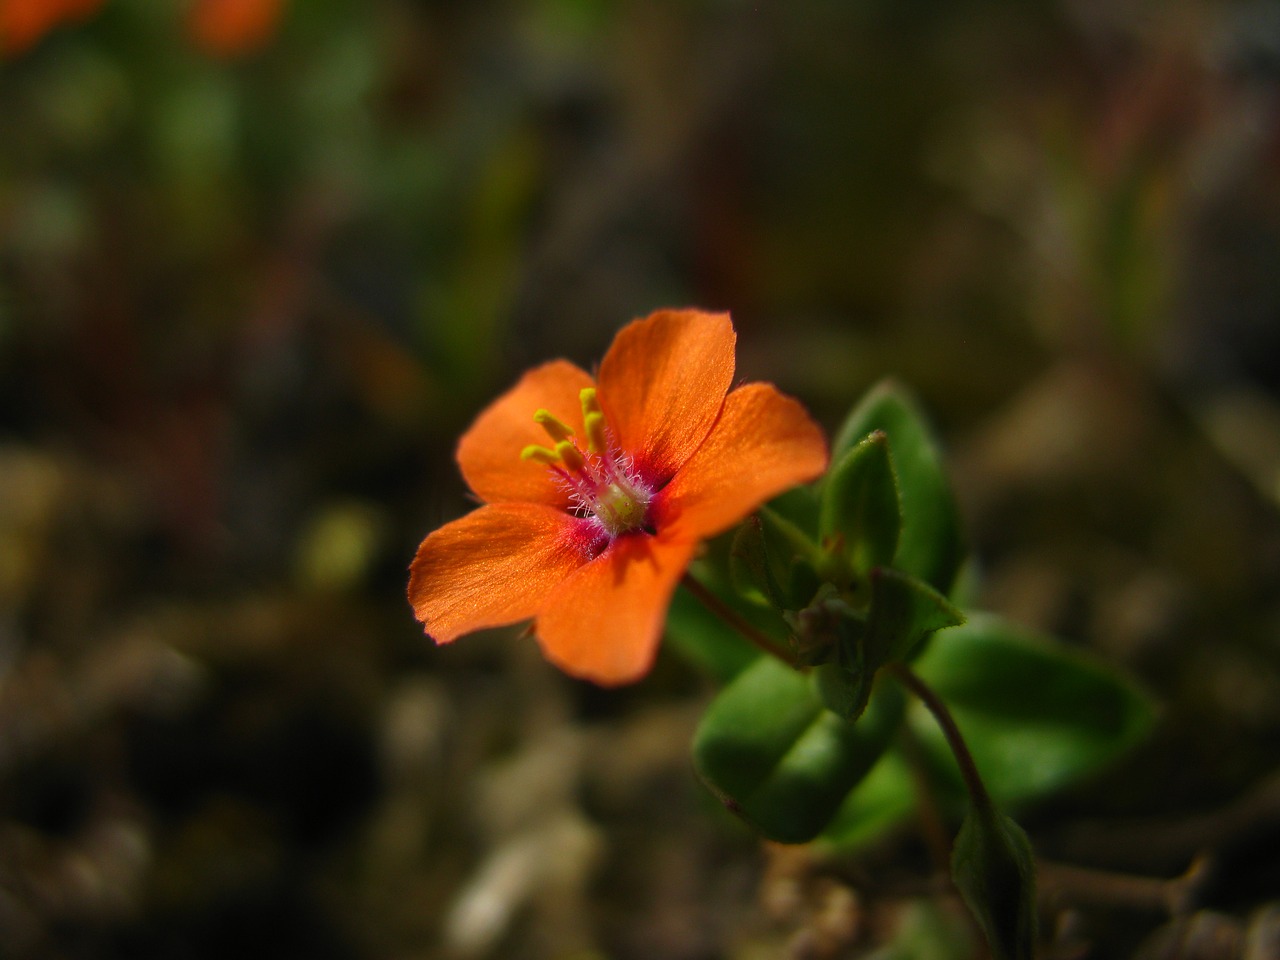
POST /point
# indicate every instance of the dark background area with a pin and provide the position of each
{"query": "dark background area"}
(248, 303)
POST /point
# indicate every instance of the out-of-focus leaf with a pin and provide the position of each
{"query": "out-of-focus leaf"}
(339, 545)
(884, 798)
(775, 756)
(930, 545)
(860, 515)
(1035, 713)
(929, 930)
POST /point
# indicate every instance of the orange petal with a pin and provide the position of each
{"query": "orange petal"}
(763, 443)
(497, 565)
(489, 452)
(24, 22)
(226, 28)
(662, 384)
(603, 623)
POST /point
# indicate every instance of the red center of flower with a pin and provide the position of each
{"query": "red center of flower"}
(602, 483)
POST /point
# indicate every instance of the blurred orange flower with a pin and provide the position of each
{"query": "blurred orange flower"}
(24, 22)
(597, 491)
(228, 28)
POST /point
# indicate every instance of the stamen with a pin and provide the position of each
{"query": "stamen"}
(570, 456)
(593, 421)
(597, 439)
(557, 428)
(540, 455)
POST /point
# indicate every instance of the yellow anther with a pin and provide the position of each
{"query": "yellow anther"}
(558, 429)
(570, 456)
(593, 420)
(596, 441)
(540, 455)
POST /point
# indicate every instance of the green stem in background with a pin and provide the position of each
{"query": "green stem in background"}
(968, 769)
(737, 621)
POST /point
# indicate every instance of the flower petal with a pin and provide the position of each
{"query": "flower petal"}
(763, 443)
(497, 565)
(662, 383)
(489, 452)
(604, 621)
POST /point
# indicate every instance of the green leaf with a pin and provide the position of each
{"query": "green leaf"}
(928, 930)
(930, 544)
(995, 872)
(860, 510)
(773, 755)
(1035, 713)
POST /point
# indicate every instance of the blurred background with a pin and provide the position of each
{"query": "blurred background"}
(261, 263)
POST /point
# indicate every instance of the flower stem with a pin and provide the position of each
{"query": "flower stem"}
(978, 795)
(736, 621)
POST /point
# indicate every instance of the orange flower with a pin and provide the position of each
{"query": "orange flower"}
(226, 28)
(24, 22)
(596, 493)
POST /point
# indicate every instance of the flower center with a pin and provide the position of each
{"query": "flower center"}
(600, 480)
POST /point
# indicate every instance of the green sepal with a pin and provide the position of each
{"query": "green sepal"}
(774, 755)
(844, 690)
(843, 683)
(752, 567)
(994, 870)
(861, 517)
(930, 545)
(773, 559)
(905, 611)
